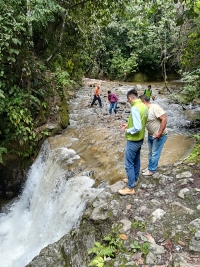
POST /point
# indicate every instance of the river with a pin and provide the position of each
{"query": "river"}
(70, 166)
(98, 139)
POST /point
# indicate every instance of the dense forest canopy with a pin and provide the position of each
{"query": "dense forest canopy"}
(48, 46)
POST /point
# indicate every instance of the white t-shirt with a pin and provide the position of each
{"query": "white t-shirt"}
(153, 122)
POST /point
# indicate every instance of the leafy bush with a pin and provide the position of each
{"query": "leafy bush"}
(111, 245)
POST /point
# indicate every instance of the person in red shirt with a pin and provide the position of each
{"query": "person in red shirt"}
(97, 96)
(113, 100)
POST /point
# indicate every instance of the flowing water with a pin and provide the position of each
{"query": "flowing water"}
(59, 184)
(49, 207)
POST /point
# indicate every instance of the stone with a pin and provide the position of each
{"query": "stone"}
(126, 226)
(157, 215)
(186, 174)
(100, 213)
(117, 186)
(182, 192)
(196, 223)
(183, 208)
(195, 242)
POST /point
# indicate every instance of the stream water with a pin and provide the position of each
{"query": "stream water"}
(69, 168)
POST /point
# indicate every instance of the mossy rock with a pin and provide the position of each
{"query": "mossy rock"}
(63, 112)
(196, 101)
(139, 77)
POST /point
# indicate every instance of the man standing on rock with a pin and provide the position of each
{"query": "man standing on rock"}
(157, 134)
(97, 96)
(134, 133)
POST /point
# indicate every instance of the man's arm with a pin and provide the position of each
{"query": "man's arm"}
(136, 121)
(163, 123)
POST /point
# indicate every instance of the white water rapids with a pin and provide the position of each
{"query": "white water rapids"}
(49, 207)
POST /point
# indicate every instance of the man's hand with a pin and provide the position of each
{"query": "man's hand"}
(123, 127)
(163, 123)
(157, 136)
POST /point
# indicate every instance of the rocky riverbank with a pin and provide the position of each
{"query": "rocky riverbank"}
(159, 226)
(164, 213)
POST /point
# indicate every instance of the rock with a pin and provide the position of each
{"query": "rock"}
(182, 192)
(183, 208)
(117, 186)
(154, 251)
(196, 223)
(126, 226)
(195, 242)
(100, 213)
(157, 215)
(186, 174)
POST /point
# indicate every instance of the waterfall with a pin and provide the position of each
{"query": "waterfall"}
(51, 205)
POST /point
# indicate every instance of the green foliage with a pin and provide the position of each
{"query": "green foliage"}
(195, 154)
(144, 247)
(113, 39)
(136, 41)
(192, 89)
(137, 224)
(111, 245)
(37, 38)
(62, 79)
(2, 150)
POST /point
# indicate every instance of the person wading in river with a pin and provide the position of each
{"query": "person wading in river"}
(157, 134)
(97, 96)
(148, 92)
(134, 133)
(112, 98)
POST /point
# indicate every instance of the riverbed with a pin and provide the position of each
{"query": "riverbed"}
(96, 135)
(64, 176)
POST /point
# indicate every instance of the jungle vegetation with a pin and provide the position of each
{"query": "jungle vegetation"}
(47, 47)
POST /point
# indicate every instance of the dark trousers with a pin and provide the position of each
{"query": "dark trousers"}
(96, 98)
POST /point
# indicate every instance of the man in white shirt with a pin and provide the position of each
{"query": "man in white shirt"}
(157, 134)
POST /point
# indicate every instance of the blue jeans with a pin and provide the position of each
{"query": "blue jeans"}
(155, 149)
(132, 161)
(114, 107)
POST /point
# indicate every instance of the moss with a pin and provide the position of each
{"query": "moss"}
(139, 77)
(63, 112)
(66, 258)
(195, 155)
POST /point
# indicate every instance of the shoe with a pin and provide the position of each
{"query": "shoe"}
(144, 170)
(127, 191)
(126, 181)
(147, 173)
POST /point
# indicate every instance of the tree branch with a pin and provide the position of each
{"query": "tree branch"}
(62, 30)
(60, 39)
